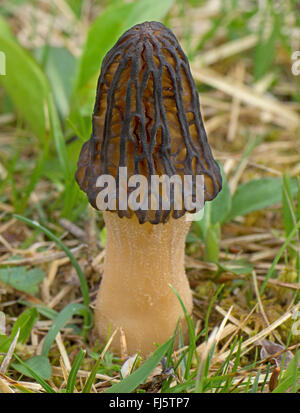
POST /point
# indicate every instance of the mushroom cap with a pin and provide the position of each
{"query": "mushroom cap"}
(147, 118)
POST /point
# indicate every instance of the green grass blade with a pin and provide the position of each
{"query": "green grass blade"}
(58, 136)
(212, 301)
(74, 370)
(277, 258)
(298, 200)
(83, 283)
(91, 378)
(265, 50)
(41, 381)
(60, 321)
(291, 376)
(289, 214)
(35, 175)
(256, 382)
(288, 209)
(131, 382)
(192, 338)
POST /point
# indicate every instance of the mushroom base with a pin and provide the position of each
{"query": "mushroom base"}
(141, 263)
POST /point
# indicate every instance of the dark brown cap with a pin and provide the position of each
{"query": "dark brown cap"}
(147, 118)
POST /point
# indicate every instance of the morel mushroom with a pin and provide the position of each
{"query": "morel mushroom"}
(146, 119)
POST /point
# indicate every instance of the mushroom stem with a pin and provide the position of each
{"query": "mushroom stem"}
(140, 264)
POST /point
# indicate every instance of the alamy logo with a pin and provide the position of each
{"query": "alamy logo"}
(136, 193)
(296, 64)
(2, 63)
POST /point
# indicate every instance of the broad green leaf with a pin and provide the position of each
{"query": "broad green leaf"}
(25, 322)
(109, 26)
(5, 30)
(215, 212)
(39, 364)
(147, 10)
(60, 68)
(221, 205)
(255, 195)
(4, 343)
(212, 242)
(25, 84)
(291, 376)
(76, 6)
(21, 279)
(58, 136)
(29, 90)
(103, 33)
(36, 376)
(265, 51)
(131, 382)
